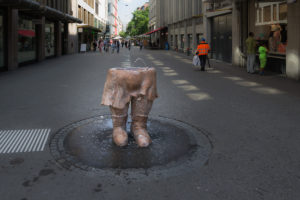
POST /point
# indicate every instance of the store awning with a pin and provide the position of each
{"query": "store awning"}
(161, 28)
(34, 7)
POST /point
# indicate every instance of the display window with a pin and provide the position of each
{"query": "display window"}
(49, 39)
(1, 40)
(271, 13)
(271, 26)
(26, 40)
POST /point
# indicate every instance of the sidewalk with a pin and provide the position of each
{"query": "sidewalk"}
(271, 79)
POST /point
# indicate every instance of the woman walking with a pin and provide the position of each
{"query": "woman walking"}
(100, 46)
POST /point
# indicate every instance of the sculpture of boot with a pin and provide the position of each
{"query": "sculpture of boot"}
(119, 118)
(140, 108)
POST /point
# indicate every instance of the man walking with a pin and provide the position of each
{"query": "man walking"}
(202, 51)
(251, 45)
(118, 46)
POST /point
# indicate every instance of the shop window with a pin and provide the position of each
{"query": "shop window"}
(275, 18)
(267, 14)
(271, 25)
(171, 40)
(26, 40)
(283, 11)
(271, 13)
(1, 41)
(49, 39)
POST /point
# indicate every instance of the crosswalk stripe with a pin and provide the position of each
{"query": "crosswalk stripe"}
(23, 140)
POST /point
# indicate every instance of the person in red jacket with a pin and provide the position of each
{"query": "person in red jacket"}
(202, 51)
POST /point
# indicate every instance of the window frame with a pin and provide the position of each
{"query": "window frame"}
(260, 13)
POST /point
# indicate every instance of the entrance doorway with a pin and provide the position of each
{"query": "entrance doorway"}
(222, 38)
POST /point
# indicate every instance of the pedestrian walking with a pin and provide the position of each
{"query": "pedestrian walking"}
(118, 46)
(202, 50)
(129, 45)
(113, 46)
(251, 49)
(94, 45)
(262, 50)
(105, 45)
(100, 46)
(141, 45)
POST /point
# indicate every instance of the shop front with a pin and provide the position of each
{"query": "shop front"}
(1, 40)
(271, 29)
(49, 39)
(87, 35)
(26, 40)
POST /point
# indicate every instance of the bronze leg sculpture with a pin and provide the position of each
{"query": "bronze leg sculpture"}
(130, 85)
(119, 118)
(140, 108)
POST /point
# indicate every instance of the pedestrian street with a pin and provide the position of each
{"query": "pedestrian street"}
(246, 130)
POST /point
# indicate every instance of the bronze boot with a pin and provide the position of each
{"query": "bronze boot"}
(140, 108)
(119, 118)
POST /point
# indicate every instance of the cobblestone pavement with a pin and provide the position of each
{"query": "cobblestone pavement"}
(251, 121)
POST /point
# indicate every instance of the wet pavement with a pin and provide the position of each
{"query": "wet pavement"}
(251, 126)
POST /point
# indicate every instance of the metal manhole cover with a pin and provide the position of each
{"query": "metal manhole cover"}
(88, 145)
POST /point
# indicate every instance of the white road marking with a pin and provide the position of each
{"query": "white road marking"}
(14, 141)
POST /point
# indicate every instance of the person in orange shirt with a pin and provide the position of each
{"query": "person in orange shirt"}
(202, 51)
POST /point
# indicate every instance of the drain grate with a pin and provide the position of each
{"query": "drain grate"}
(25, 140)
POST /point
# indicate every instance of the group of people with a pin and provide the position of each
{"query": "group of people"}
(251, 45)
(105, 45)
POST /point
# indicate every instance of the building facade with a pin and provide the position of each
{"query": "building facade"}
(120, 25)
(177, 21)
(225, 24)
(113, 18)
(93, 14)
(33, 30)
(228, 23)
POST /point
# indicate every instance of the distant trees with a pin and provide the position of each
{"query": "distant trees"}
(123, 34)
(139, 23)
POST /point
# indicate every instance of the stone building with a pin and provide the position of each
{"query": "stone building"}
(93, 14)
(177, 21)
(33, 30)
(225, 24)
(113, 19)
(274, 23)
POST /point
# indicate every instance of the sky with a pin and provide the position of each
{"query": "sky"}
(125, 11)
